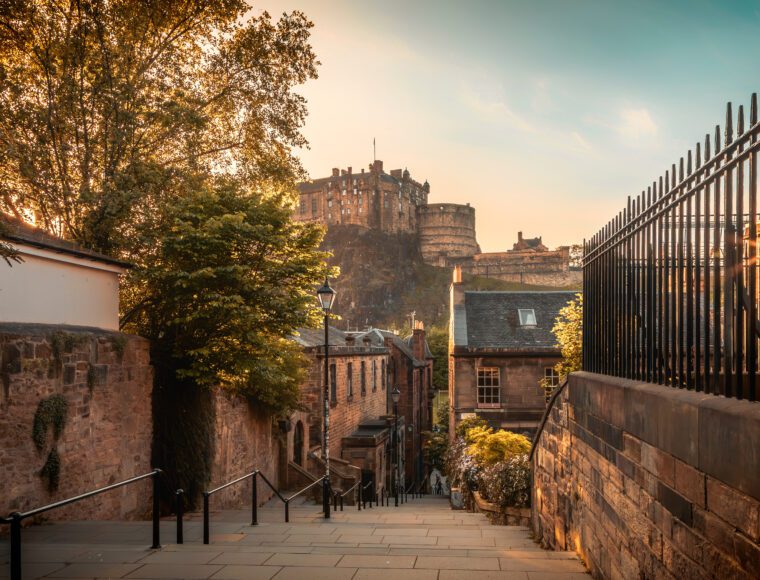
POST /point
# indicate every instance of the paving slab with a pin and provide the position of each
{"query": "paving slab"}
(420, 540)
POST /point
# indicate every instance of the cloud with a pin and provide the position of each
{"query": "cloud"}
(636, 124)
(487, 101)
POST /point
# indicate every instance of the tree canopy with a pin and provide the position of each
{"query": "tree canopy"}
(162, 133)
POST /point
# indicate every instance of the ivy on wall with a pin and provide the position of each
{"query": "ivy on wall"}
(51, 413)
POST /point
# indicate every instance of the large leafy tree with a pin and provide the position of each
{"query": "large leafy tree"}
(162, 132)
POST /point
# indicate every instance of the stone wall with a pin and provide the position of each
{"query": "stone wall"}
(106, 381)
(646, 481)
(446, 231)
(244, 439)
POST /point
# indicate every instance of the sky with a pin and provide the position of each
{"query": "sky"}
(544, 115)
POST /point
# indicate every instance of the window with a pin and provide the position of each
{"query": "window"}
(333, 384)
(489, 391)
(303, 206)
(527, 316)
(383, 377)
(313, 205)
(350, 380)
(551, 376)
(374, 376)
(364, 378)
(329, 203)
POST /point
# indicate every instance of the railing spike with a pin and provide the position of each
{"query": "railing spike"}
(673, 175)
(729, 124)
(753, 110)
(740, 121)
(699, 155)
(707, 147)
(688, 163)
(680, 170)
(717, 139)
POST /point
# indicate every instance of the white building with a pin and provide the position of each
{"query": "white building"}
(58, 282)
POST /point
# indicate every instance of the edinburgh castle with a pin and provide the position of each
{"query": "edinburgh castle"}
(396, 203)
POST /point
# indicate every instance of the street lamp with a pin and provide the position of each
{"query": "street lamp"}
(326, 297)
(396, 395)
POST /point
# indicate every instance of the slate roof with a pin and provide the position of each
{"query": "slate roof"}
(18, 231)
(377, 336)
(315, 337)
(490, 321)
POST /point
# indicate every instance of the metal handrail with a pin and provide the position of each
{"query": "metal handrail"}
(296, 494)
(345, 493)
(255, 474)
(549, 407)
(15, 518)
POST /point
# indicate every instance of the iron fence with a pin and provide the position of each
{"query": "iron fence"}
(671, 282)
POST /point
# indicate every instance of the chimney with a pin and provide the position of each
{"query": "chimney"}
(457, 288)
(336, 172)
(418, 341)
(377, 166)
(519, 236)
(349, 170)
(350, 339)
(342, 171)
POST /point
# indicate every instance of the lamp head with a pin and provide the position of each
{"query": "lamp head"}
(396, 395)
(326, 297)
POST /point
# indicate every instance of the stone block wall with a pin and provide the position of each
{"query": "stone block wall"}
(106, 380)
(646, 481)
(244, 439)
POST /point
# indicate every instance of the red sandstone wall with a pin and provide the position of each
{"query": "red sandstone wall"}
(245, 439)
(647, 481)
(107, 380)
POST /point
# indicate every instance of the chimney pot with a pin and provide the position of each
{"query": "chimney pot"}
(335, 172)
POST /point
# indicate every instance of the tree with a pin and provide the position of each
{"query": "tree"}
(162, 133)
(7, 252)
(109, 107)
(568, 330)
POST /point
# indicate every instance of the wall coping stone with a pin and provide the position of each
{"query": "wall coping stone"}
(728, 429)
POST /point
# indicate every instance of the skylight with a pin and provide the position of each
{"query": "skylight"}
(527, 316)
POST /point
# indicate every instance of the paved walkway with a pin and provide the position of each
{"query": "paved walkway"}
(420, 540)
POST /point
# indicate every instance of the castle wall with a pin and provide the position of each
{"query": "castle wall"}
(372, 199)
(446, 231)
(546, 268)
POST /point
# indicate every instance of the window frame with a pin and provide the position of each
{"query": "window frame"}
(363, 378)
(552, 375)
(525, 321)
(349, 381)
(334, 383)
(488, 385)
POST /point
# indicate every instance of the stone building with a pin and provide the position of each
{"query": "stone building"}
(410, 369)
(445, 232)
(500, 347)
(359, 429)
(374, 199)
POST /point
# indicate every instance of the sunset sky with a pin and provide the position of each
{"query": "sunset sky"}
(543, 115)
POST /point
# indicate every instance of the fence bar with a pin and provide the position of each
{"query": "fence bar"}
(671, 283)
(206, 534)
(16, 546)
(156, 513)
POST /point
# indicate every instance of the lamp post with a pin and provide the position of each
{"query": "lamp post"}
(396, 395)
(326, 297)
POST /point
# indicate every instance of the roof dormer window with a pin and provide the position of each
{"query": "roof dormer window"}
(527, 316)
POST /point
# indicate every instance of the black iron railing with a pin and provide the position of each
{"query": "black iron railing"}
(296, 494)
(254, 503)
(341, 496)
(670, 284)
(16, 518)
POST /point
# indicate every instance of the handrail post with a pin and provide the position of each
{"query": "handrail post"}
(180, 510)
(287, 511)
(335, 502)
(205, 518)
(255, 500)
(359, 502)
(156, 513)
(15, 546)
(341, 502)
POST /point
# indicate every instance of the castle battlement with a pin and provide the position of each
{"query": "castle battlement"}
(446, 235)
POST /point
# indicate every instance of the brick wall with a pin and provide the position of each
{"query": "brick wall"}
(648, 481)
(345, 412)
(106, 379)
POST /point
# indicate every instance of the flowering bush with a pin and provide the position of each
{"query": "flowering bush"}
(493, 463)
(506, 483)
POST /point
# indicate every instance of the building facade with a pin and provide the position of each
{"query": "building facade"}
(445, 232)
(500, 348)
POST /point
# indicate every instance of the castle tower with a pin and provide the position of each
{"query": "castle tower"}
(446, 233)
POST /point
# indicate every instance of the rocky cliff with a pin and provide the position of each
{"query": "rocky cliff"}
(383, 279)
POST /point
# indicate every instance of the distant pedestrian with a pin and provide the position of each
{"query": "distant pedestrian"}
(438, 485)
